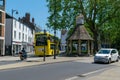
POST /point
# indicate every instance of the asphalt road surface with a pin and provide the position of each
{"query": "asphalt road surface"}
(54, 71)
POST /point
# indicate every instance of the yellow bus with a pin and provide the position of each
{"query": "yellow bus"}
(45, 41)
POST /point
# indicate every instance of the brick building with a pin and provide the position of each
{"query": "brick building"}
(26, 20)
(2, 27)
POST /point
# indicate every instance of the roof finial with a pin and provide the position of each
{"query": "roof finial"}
(80, 20)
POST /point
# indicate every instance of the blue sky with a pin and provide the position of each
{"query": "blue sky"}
(37, 9)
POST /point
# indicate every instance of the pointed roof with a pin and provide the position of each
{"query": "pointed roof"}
(80, 33)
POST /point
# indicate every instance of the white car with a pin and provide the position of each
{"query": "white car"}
(106, 55)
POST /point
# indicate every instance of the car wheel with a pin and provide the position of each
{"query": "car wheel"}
(109, 61)
(95, 62)
(117, 59)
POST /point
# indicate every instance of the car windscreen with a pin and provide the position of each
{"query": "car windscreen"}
(104, 52)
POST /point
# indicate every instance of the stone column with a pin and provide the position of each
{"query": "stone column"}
(88, 47)
(92, 47)
(79, 46)
(70, 46)
(67, 47)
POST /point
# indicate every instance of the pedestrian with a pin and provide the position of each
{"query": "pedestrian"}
(24, 53)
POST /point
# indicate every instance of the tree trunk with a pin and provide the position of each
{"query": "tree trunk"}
(95, 42)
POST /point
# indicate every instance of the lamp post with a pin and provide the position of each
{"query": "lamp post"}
(54, 44)
(44, 44)
(54, 29)
(12, 31)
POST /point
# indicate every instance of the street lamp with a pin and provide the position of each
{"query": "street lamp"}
(44, 44)
(12, 31)
(54, 44)
(55, 30)
(16, 12)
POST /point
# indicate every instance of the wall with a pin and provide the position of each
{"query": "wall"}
(2, 32)
(8, 31)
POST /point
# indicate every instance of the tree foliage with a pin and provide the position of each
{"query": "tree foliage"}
(98, 14)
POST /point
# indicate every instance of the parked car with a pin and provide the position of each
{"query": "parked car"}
(106, 55)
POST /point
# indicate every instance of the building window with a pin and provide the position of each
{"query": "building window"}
(0, 17)
(26, 37)
(26, 29)
(14, 34)
(23, 27)
(23, 37)
(0, 30)
(19, 26)
(19, 35)
(14, 23)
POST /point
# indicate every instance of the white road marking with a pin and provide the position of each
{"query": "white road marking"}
(76, 77)
(85, 61)
(93, 72)
(72, 78)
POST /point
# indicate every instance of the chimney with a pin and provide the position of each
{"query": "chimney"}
(33, 20)
(27, 16)
(19, 18)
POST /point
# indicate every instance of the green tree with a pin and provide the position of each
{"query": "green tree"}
(96, 13)
(115, 32)
(111, 29)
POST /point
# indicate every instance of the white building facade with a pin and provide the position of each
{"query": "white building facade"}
(18, 35)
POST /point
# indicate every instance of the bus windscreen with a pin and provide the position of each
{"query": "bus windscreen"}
(41, 40)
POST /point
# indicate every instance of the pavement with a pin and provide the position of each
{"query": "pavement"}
(111, 74)
(11, 62)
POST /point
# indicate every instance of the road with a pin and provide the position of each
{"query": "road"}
(54, 71)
